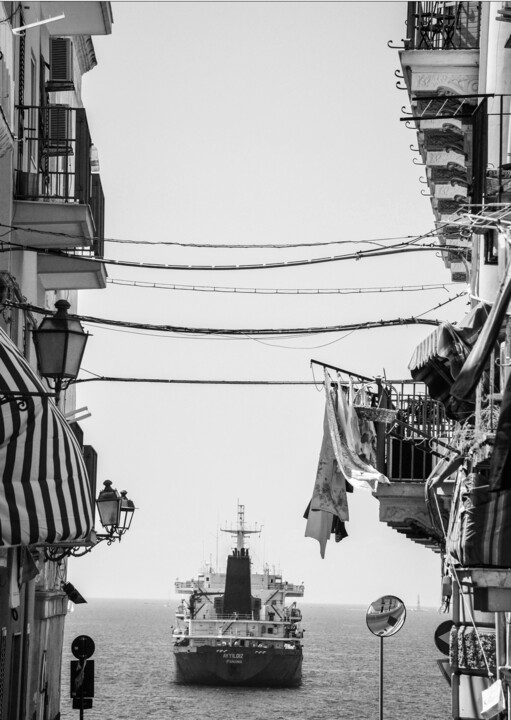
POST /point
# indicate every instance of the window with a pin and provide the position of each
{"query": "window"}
(491, 248)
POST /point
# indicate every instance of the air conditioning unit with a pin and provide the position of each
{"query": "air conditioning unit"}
(61, 65)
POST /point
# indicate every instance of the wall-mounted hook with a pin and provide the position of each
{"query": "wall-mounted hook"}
(405, 111)
(396, 47)
(417, 163)
(408, 126)
(398, 74)
(423, 180)
(413, 149)
(426, 194)
(399, 86)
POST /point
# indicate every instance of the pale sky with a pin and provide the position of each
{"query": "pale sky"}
(249, 123)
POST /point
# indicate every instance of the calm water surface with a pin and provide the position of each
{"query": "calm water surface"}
(134, 671)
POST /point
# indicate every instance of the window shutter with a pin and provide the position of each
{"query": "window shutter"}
(57, 127)
(61, 65)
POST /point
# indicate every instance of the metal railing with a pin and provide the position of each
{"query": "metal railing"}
(420, 435)
(54, 163)
(443, 25)
(411, 429)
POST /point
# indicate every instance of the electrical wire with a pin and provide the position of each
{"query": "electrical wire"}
(446, 302)
(398, 249)
(332, 342)
(270, 246)
(277, 291)
(310, 347)
(231, 331)
(192, 382)
(11, 16)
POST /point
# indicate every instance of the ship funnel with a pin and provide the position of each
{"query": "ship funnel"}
(238, 591)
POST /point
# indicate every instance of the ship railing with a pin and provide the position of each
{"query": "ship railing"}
(237, 640)
(290, 587)
(188, 585)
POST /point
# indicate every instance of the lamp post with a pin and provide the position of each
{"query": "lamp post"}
(60, 343)
(115, 512)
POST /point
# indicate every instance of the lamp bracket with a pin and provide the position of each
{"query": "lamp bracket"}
(20, 398)
(111, 537)
(55, 553)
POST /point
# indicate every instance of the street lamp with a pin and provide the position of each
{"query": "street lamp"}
(115, 512)
(60, 343)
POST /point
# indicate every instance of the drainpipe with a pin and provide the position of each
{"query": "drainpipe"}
(494, 77)
(498, 80)
(507, 617)
(500, 643)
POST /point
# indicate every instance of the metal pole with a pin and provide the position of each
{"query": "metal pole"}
(83, 661)
(380, 430)
(500, 644)
(508, 660)
(501, 129)
(381, 678)
(58, 389)
(341, 370)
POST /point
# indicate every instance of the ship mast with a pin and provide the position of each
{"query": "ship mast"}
(241, 531)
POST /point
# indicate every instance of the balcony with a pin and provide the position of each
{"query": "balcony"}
(59, 201)
(417, 440)
(440, 64)
(443, 25)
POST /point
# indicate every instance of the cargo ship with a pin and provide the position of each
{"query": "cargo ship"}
(235, 628)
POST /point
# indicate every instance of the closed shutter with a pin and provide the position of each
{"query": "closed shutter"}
(61, 65)
(57, 130)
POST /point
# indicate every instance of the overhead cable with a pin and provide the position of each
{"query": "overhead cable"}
(398, 249)
(231, 331)
(241, 246)
(194, 382)
(278, 291)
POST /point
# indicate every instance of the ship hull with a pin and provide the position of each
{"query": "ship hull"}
(256, 667)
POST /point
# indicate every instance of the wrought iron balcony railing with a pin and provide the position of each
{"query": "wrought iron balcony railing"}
(415, 436)
(54, 162)
(443, 25)
(420, 436)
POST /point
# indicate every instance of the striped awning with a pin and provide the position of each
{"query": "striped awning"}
(45, 495)
(441, 343)
(448, 340)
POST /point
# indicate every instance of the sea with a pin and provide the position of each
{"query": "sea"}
(134, 669)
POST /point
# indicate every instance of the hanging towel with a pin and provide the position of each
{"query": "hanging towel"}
(366, 429)
(360, 474)
(319, 527)
(329, 492)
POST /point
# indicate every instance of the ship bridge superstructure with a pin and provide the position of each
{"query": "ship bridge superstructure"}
(239, 609)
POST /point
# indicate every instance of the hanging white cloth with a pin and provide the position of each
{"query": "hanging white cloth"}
(356, 471)
(319, 527)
